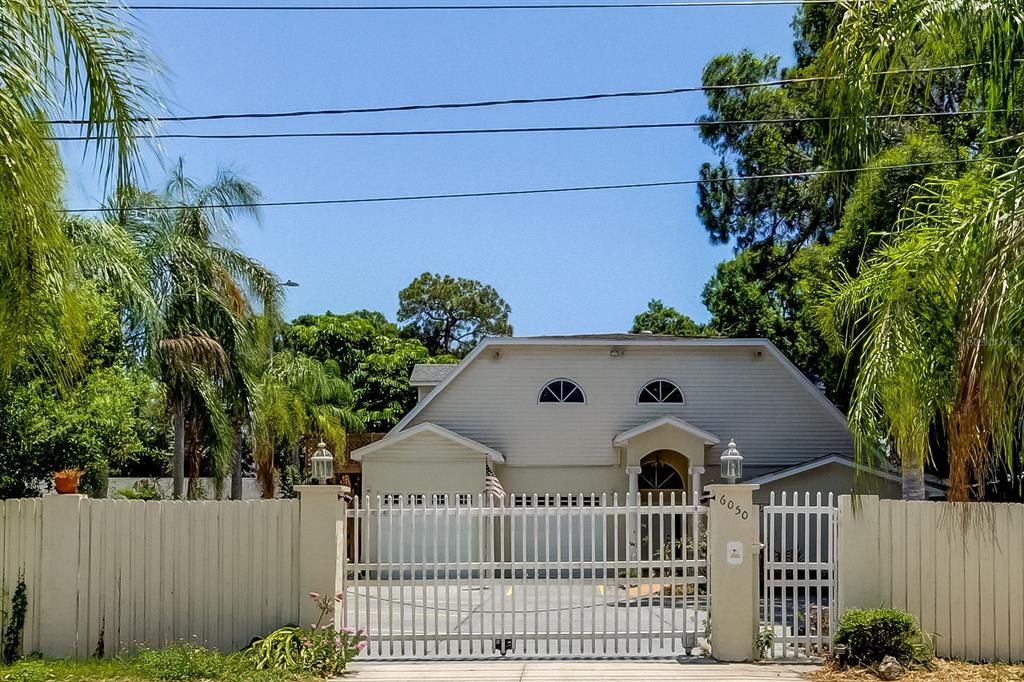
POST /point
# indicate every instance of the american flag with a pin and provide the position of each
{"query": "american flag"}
(492, 486)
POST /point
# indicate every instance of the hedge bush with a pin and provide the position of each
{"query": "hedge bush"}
(872, 634)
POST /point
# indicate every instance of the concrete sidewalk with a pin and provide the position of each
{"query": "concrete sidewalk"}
(542, 671)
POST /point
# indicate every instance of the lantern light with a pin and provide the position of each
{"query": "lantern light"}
(732, 463)
(323, 464)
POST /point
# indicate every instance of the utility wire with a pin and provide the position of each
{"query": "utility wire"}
(549, 190)
(513, 101)
(191, 7)
(537, 129)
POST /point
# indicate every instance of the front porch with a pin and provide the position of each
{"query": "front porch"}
(664, 456)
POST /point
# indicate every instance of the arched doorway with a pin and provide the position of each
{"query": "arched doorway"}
(662, 480)
(663, 472)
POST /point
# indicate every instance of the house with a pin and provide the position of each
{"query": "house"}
(615, 413)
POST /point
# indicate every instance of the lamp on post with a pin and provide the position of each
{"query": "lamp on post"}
(732, 463)
(323, 465)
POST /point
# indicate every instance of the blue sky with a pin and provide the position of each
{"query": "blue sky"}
(580, 262)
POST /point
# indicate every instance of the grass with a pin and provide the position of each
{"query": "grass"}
(942, 671)
(175, 664)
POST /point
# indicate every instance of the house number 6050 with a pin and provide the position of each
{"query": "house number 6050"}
(735, 508)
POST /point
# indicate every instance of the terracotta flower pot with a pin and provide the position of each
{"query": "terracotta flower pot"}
(66, 484)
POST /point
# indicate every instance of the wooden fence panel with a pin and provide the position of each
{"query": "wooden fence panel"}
(959, 570)
(21, 554)
(156, 573)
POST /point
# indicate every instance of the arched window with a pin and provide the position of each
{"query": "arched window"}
(660, 391)
(561, 391)
(658, 475)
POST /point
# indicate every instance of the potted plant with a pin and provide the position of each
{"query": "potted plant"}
(66, 481)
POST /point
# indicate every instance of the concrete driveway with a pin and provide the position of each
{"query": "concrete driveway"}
(576, 671)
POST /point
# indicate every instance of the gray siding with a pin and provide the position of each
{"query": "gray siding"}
(735, 392)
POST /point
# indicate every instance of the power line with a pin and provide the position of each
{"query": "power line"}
(480, 7)
(550, 190)
(512, 101)
(532, 129)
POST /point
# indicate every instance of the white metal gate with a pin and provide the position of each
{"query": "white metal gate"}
(451, 576)
(798, 585)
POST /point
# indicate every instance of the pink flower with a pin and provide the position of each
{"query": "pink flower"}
(339, 596)
(350, 631)
(315, 596)
(361, 646)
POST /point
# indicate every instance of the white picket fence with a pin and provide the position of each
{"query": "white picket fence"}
(798, 587)
(539, 575)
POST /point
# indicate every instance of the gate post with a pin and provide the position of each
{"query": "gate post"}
(733, 551)
(856, 555)
(321, 546)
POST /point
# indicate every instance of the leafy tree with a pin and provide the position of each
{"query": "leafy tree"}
(370, 352)
(450, 315)
(662, 319)
(793, 234)
(298, 400)
(109, 414)
(761, 212)
(934, 314)
(79, 59)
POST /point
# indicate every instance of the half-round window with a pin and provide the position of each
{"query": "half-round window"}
(660, 391)
(657, 475)
(561, 391)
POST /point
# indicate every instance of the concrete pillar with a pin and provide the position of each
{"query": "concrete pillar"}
(857, 556)
(57, 601)
(733, 550)
(321, 546)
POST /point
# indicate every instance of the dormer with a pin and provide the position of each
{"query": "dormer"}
(426, 376)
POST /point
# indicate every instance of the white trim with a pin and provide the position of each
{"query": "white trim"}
(498, 341)
(833, 459)
(428, 427)
(623, 438)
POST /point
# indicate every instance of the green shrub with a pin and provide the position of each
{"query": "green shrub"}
(872, 634)
(142, 490)
(319, 650)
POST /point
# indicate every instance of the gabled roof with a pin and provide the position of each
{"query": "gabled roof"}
(624, 340)
(429, 374)
(670, 421)
(835, 458)
(428, 427)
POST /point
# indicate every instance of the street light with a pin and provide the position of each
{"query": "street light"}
(732, 463)
(287, 283)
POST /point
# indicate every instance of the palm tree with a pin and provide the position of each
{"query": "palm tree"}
(936, 312)
(68, 58)
(936, 316)
(208, 295)
(298, 399)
